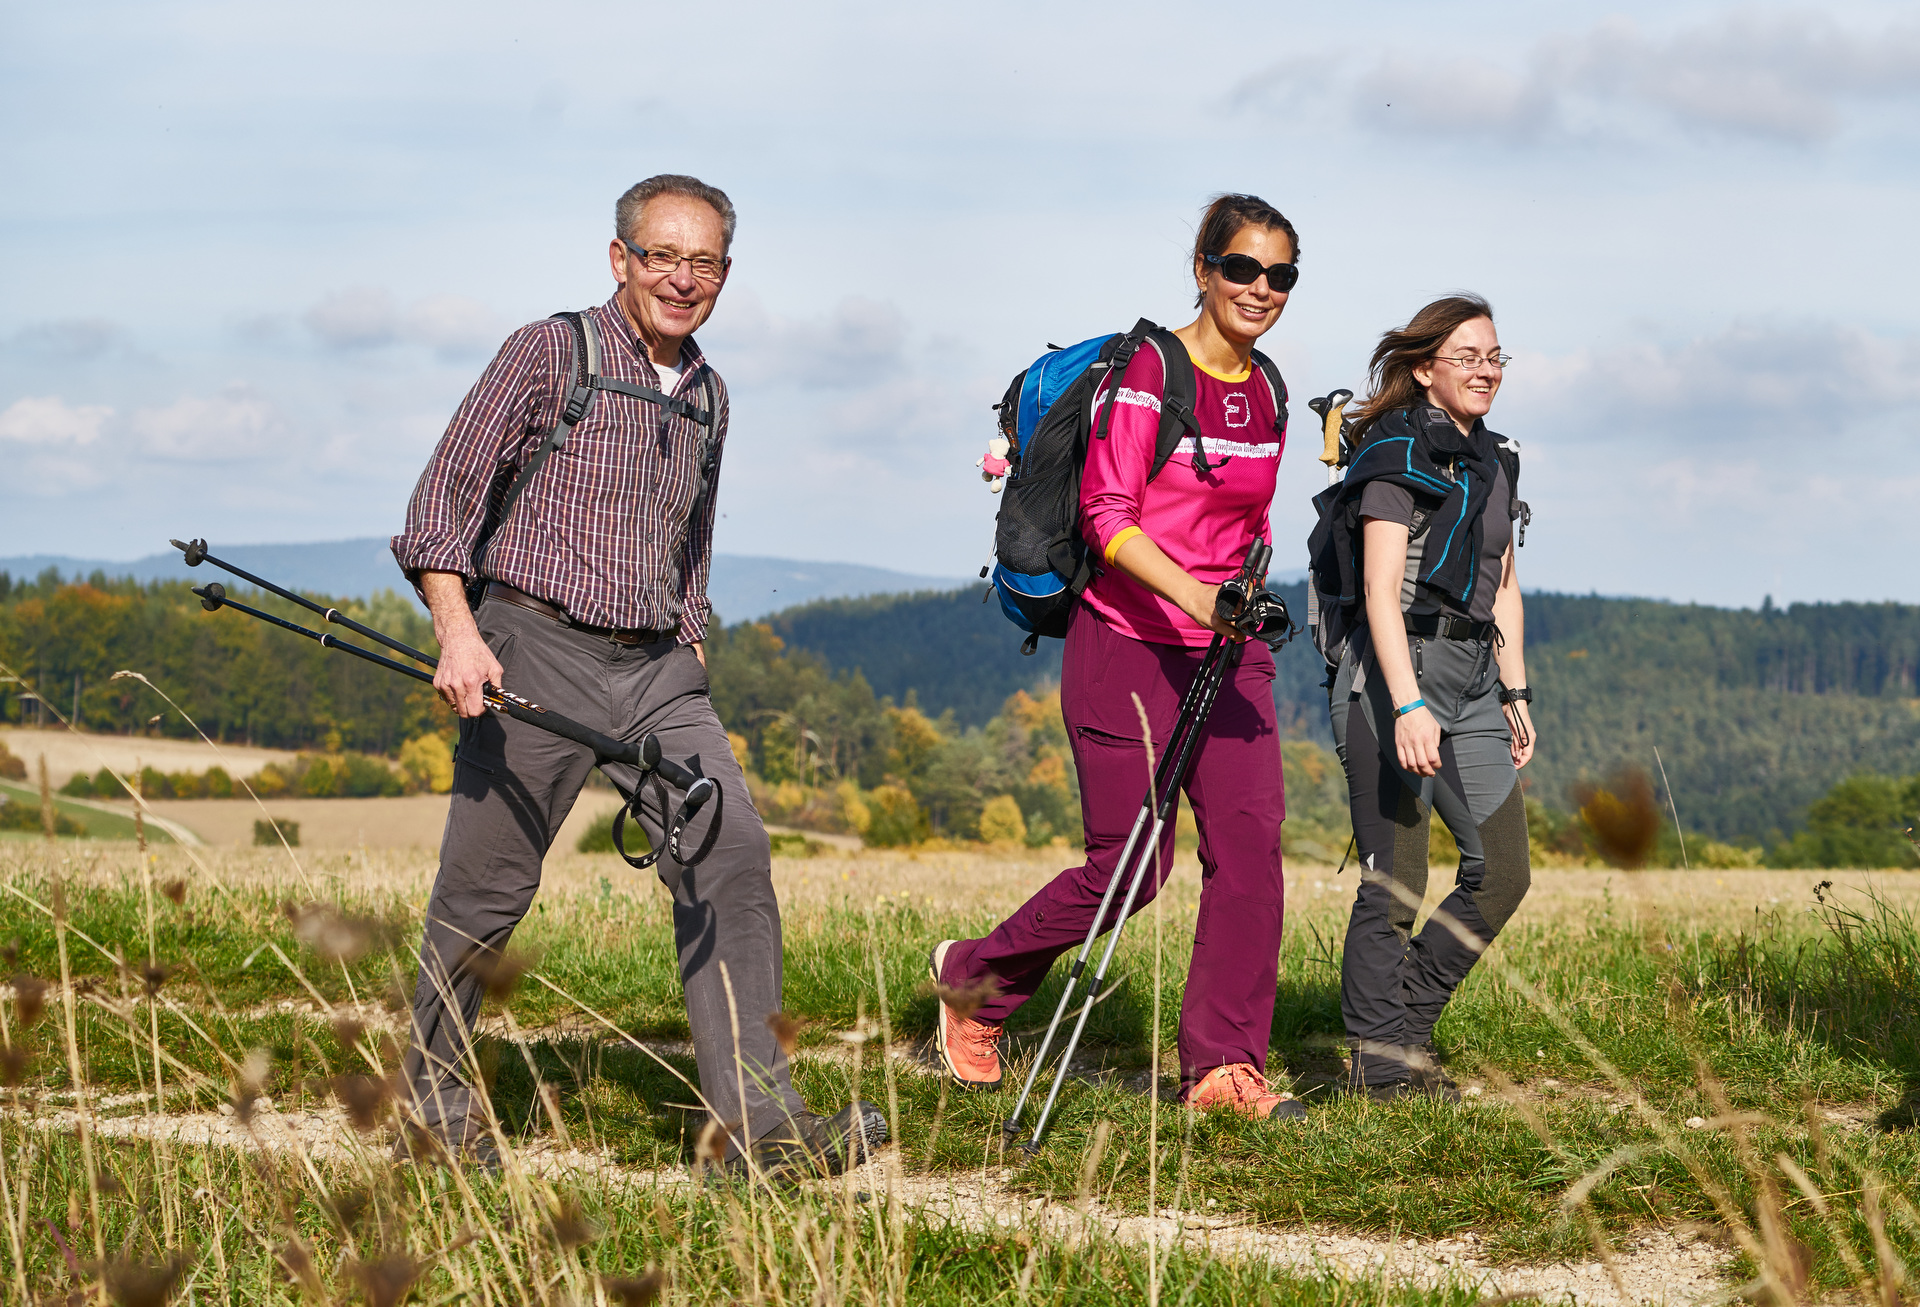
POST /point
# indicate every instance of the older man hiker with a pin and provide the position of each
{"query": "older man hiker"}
(562, 534)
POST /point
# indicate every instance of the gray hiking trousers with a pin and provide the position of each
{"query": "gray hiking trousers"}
(514, 784)
(1393, 983)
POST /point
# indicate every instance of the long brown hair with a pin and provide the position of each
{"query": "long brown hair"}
(1225, 216)
(1390, 376)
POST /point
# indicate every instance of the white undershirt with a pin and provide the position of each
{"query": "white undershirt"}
(669, 377)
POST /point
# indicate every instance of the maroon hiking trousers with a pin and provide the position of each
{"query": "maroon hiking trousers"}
(1239, 800)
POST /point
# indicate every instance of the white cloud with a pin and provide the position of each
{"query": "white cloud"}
(1786, 77)
(366, 318)
(71, 339)
(856, 345)
(237, 423)
(1752, 383)
(48, 420)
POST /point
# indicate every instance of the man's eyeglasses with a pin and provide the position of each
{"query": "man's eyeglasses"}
(705, 267)
(1244, 270)
(1472, 362)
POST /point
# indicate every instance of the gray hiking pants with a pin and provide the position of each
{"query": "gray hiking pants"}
(514, 784)
(1394, 983)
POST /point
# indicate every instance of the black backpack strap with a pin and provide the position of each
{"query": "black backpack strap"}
(668, 404)
(706, 456)
(1509, 455)
(586, 360)
(1176, 403)
(1278, 384)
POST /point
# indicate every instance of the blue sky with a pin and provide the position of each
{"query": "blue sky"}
(253, 255)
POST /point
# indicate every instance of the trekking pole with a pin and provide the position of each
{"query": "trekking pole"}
(645, 756)
(196, 554)
(1158, 803)
(1245, 602)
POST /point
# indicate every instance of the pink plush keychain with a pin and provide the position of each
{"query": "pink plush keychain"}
(993, 466)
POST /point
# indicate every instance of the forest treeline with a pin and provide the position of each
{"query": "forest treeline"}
(917, 712)
(1755, 714)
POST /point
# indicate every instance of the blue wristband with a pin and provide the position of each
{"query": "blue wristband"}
(1402, 712)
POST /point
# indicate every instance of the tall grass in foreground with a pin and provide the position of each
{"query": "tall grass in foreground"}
(164, 981)
(99, 1196)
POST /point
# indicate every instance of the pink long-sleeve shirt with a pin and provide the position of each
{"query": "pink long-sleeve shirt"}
(1204, 521)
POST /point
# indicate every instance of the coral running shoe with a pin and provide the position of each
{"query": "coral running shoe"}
(969, 1048)
(1239, 1087)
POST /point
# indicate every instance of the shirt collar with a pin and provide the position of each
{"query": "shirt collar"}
(619, 328)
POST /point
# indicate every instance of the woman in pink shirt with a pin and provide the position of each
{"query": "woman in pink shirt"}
(1142, 628)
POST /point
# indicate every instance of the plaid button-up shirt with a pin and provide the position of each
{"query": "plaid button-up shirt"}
(602, 530)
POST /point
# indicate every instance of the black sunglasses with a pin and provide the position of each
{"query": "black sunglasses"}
(1243, 270)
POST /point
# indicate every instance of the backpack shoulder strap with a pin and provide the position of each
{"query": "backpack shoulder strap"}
(1278, 384)
(1176, 398)
(707, 450)
(1509, 454)
(573, 410)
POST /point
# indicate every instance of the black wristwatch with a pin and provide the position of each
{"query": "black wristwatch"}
(1524, 694)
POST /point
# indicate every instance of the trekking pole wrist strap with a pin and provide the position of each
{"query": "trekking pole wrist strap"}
(1404, 709)
(1522, 695)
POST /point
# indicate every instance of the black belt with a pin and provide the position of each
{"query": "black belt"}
(507, 594)
(1449, 628)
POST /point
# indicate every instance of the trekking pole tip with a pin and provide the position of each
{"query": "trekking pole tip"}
(212, 595)
(195, 551)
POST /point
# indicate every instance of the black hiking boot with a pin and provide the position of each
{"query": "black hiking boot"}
(460, 1142)
(812, 1146)
(1428, 1073)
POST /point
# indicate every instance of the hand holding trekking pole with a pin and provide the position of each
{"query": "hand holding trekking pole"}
(467, 667)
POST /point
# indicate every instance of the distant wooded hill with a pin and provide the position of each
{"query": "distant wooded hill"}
(1755, 713)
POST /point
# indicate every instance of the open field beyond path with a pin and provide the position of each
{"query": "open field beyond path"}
(1676, 1083)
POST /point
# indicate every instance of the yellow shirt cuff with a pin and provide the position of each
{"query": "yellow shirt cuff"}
(1120, 537)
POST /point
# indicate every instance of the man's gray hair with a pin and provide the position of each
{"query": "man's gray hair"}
(631, 206)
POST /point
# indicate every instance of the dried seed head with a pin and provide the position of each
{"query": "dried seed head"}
(965, 1000)
(386, 1279)
(132, 1282)
(348, 1208)
(296, 1260)
(176, 891)
(1623, 816)
(710, 1149)
(29, 999)
(571, 1226)
(13, 1065)
(347, 1030)
(250, 1084)
(500, 971)
(363, 1097)
(332, 934)
(10, 952)
(638, 1292)
(155, 974)
(786, 1030)
(108, 1183)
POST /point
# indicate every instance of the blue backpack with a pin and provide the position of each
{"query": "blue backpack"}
(1047, 417)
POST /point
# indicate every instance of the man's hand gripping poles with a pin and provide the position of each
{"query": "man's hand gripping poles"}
(644, 756)
(1245, 603)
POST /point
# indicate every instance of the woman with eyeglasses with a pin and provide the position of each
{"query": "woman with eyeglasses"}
(1430, 703)
(1134, 644)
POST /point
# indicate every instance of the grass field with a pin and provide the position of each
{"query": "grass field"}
(1716, 1062)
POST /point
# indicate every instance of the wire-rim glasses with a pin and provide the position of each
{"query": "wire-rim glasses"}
(705, 267)
(1472, 362)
